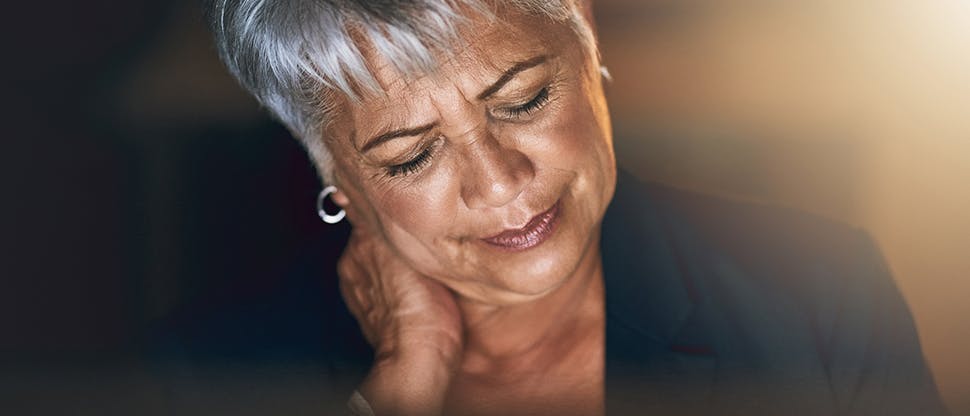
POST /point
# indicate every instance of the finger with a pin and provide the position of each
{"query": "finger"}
(347, 285)
(361, 283)
(354, 283)
(361, 313)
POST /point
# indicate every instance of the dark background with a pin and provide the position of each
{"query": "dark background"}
(140, 185)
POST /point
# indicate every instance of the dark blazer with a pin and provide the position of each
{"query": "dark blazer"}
(713, 307)
(725, 307)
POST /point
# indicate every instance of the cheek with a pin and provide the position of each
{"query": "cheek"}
(575, 140)
(418, 219)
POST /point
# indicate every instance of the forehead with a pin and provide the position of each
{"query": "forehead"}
(484, 49)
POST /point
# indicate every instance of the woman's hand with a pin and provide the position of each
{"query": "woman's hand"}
(411, 321)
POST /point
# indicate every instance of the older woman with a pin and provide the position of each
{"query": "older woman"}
(469, 144)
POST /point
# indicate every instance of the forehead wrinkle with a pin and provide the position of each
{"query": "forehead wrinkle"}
(475, 47)
(482, 57)
(399, 110)
(472, 50)
(393, 83)
(382, 69)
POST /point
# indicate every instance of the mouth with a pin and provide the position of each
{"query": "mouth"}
(535, 232)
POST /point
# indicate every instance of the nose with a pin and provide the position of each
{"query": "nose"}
(493, 175)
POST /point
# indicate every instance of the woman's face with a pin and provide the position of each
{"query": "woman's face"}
(490, 175)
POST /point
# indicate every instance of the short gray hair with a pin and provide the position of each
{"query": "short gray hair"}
(293, 55)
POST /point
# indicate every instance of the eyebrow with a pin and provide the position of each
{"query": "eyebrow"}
(511, 73)
(488, 92)
(391, 135)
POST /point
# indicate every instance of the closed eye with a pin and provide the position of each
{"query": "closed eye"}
(528, 108)
(412, 165)
(417, 163)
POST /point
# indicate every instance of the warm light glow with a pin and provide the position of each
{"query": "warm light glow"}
(855, 110)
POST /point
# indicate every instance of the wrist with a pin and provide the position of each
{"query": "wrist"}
(411, 384)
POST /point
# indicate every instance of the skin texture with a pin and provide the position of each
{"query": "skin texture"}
(459, 325)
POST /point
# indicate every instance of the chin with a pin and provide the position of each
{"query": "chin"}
(540, 279)
(534, 273)
(541, 271)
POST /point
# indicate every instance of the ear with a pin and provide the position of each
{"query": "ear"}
(357, 215)
(340, 198)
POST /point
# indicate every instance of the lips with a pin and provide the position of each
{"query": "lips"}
(532, 234)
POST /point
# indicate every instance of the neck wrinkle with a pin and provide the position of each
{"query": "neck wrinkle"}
(527, 336)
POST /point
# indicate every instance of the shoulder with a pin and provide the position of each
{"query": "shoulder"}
(775, 287)
(788, 251)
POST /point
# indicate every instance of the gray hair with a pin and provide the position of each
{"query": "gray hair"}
(293, 55)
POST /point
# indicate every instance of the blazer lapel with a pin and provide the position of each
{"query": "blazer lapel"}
(689, 330)
(656, 356)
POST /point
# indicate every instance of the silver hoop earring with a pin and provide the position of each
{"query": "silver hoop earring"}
(328, 218)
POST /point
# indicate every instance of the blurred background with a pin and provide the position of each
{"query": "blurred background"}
(139, 178)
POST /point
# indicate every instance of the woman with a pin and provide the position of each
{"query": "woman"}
(469, 144)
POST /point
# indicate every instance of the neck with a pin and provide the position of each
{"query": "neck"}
(523, 334)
